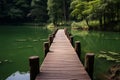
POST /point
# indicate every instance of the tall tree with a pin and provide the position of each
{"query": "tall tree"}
(58, 10)
(105, 11)
(14, 10)
(39, 10)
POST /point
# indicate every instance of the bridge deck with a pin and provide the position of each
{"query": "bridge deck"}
(62, 62)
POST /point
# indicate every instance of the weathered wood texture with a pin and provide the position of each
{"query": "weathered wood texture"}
(62, 62)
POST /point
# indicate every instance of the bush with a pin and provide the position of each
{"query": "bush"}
(79, 25)
(51, 25)
(94, 25)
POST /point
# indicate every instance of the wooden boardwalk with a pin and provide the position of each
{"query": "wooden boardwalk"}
(62, 62)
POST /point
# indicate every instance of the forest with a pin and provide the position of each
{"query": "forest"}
(90, 14)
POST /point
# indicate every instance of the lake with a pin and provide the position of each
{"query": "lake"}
(18, 43)
(105, 46)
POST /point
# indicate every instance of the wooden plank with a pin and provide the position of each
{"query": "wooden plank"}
(62, 62)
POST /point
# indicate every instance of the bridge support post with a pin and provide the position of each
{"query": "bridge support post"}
(34, 67)
(65, 30)
(71, 40)
(50, 39)
(54, 32)
(69, 35)
(46, 48)
(89, 64)
(78, 48)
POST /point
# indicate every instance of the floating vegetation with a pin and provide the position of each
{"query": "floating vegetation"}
(35, 40)
(113, 53)
(29, 46)
(110, 56)
(113, 38)
(20, 47)
(25, 40)
(43, 39)
(5, 61)
(103, 52)
(21, 40)
(102, 56)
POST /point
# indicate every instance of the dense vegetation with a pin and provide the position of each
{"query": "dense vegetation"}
(23, 11)
(95, 14)
(58, 10)
(104, 11)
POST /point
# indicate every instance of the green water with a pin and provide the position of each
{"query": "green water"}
(105, 46)
(17, 43)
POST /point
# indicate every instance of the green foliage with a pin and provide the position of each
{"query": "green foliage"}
(13, 10)
(23, 10)
(105, 11)
(15, 13)
(77, 7)
(110, 56)
(79, 25)
(83, 25)
(39, 11)
(51, 25)
(58, 10)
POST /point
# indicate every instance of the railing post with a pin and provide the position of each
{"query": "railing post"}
(69, 35)
(53, 34)
(78, 48)
(34, 67)
(56, 30)
(46, 48)
(71, 40)
(89, 64)
(50, 39)
(65, 30)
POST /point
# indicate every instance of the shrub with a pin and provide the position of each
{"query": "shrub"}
(79, 25)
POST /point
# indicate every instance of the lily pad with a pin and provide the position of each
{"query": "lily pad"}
(21, 40)
(113, 53)
(103, 52)
(35, 40)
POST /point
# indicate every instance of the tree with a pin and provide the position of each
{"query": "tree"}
(39, 10)
(106, 11)
(79, 9)
(14, 10)
(58, 10)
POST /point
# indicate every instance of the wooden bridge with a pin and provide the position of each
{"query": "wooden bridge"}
(61, 61)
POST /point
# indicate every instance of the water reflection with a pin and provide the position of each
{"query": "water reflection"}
(19, 76)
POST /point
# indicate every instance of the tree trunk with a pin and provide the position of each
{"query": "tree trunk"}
(64, 9)
(100, 22)
(104, 18)
(118, 16)
(87, 22)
